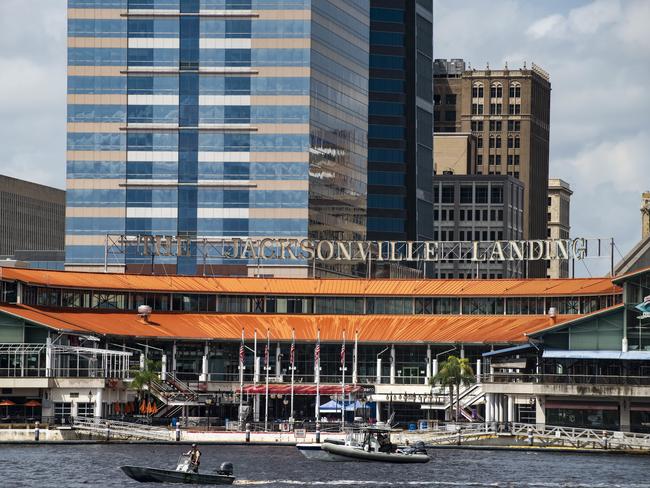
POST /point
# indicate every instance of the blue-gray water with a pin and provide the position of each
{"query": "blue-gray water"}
(64, 466)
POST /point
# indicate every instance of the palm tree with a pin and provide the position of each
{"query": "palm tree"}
(454, 372)
(142, 379)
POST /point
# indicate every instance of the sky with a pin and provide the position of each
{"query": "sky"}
(597, 54)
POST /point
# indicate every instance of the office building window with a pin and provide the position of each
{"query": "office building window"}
(495, 125)
(450, 99)
(477, 90)
(496, 90)
(436, 115)
(514, 125)
(514, 109)
(447, 194)
(495, 108)
(479, 159)
(479, 142)
(466, 194)
(436, 99)
(481, 194)
(477, 109)
(515, 90)
(477, 126)
(496, 194)
(450, 116)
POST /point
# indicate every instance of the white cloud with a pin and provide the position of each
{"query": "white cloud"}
(587, 19)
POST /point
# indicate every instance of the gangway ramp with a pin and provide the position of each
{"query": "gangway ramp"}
(113, 429)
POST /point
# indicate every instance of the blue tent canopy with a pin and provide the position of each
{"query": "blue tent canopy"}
(334, 406)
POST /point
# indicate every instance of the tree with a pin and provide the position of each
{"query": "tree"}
(455, 372)
(142, 379)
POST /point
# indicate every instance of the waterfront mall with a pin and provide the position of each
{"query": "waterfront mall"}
(568, 352)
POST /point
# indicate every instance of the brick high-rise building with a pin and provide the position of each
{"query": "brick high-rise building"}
(508, 111)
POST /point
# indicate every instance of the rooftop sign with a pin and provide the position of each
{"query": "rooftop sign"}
(358, 251)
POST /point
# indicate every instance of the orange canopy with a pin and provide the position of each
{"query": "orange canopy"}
(407, 329)
(310, 286)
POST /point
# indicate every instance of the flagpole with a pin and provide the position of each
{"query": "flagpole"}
(241, 381)
(292, 356)
(343, 383)
(266, 362)
(255, 376)
(317, 376)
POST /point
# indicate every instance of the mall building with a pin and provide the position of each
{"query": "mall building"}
(557, 351)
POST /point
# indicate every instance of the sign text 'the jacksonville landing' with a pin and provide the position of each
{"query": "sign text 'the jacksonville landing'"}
(393, 251)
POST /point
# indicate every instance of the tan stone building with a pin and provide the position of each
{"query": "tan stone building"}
(454, 153)
(508, 111)
(559, 227)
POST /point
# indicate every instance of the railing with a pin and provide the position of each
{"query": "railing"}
(580, 438)
(565, 379)
(107, 429)
(54, 360)
(278, 426)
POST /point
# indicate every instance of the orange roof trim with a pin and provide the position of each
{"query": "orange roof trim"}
(409, 329)
(308, 286)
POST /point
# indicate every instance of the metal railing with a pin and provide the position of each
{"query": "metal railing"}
(565, 379)
(107, 429)
(549, 435)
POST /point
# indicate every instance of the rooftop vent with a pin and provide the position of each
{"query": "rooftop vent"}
(144, 311)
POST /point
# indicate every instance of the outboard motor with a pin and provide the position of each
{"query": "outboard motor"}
(226, 469)
(419, 448)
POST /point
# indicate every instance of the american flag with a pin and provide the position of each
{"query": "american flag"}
(241, 354)
(317, 353)
(343, 354)
(266, 355)
(292, 353)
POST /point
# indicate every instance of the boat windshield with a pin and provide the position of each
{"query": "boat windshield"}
(183, 463)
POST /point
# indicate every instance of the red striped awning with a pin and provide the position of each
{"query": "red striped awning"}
(283, 389)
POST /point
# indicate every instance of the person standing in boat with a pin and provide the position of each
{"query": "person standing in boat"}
(195, 458)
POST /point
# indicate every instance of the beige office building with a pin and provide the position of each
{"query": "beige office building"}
(32, 216)
(507, 110)
(559, 227)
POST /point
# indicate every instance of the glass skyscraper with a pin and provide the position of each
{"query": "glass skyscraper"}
(400, 141)
(214, 118)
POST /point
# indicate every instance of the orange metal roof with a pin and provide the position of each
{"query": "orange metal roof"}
(371, 328)
(308, 286)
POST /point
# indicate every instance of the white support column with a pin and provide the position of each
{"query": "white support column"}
(428, 376)
(488, 407)
(624, 408)
(500, 408)
(478, 371)
(19, 292)
(74, 409)
(379, 371)
(511, 409)
(278, 363)
(174, 358)
(99, 400)
(204, 364)
(256, 407)
(163, 367)
(48, 357)
(378, 411)
(256, 370)
(540, 411)
(355, 361)
(393, 364)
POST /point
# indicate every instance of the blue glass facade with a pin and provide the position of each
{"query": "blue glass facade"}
(214, 118)
(400, 120)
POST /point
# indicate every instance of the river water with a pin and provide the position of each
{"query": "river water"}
(64, 466)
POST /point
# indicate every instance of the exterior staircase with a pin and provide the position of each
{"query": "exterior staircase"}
(174, 394)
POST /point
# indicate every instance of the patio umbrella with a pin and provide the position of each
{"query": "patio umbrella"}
(6, 404)
(33, 404)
